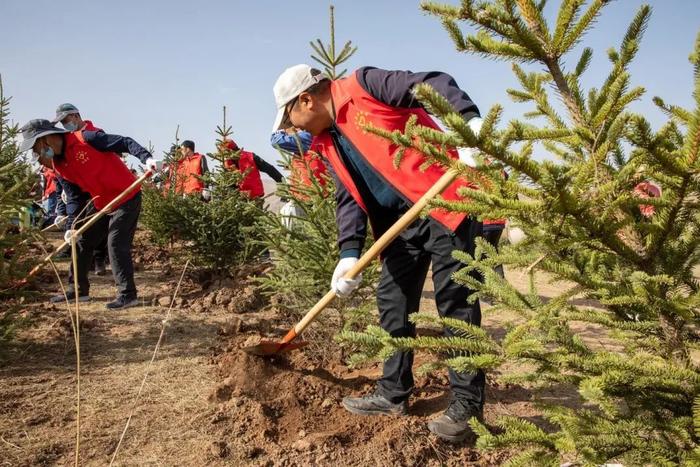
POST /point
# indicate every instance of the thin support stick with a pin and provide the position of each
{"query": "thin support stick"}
(150, 363)
(76, 292)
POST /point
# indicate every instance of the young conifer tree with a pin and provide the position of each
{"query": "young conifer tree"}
(595, 220)
(218, 235)
(304, 246)
(15, 183)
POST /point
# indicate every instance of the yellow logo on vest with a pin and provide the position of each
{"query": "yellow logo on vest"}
(361, 121)
(81, 156)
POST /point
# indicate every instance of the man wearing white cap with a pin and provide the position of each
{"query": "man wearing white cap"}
(369, 187)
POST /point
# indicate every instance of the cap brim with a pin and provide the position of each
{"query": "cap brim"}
(280, 119)
(60, 116)
(27, 144)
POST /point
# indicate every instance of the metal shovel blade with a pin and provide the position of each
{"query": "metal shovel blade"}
(273, 348)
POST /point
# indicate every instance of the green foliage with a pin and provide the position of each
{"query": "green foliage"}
(584, 228)
(326, 54)
(217, 235)
(15, 184)
(305, 254)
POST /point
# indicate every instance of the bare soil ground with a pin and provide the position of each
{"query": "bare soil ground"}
(205, 401)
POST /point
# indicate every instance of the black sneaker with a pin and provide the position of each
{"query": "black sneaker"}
(123, 302)
(60, 298)
(374, 404)
(453, 425)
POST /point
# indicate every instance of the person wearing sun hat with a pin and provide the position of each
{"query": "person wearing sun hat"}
(370, 187)
(88, 162)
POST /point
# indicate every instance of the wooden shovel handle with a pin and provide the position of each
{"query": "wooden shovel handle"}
(375, 250)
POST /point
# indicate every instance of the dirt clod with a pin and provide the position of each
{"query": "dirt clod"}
(219, 449)
(165, 301)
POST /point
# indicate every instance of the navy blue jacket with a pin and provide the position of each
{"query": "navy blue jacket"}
(384, 204)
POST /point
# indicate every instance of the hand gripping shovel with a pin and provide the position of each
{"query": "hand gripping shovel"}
(273, 348)
(106, 210)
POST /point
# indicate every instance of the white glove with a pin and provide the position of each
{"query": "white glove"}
(60, 221)
(69, 235)
(152, 164)
(64, 197)
(341, 286)
(466, 155)
(515, 235)
(288, 212)
(206, 194)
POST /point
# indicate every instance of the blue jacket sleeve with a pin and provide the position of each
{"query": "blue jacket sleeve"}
(395, 88)
(286, 142)
(114, 143)
(76, 199)
(268, 168)
(351, 219)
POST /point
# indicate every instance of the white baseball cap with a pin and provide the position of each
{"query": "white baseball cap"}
(292, 82)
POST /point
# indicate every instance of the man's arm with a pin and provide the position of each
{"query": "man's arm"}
(268, 169)
(286, 142)
(395, 88)
(204, 166)
(351, 219)
(114, 143)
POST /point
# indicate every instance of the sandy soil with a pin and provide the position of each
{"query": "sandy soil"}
(205, 401)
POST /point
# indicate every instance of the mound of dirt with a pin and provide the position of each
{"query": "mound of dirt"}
(284, 411)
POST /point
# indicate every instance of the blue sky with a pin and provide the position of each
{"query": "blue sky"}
(140, 68)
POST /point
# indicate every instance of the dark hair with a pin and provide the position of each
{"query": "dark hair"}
(188, 144)
(321, 85)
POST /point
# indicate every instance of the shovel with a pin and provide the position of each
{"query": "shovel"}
(266, 348)
(106, 210)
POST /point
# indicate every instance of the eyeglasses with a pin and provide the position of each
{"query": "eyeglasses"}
(290, 106)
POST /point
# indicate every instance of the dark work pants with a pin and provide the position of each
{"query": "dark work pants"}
(101, 251)
(119, 228)
(404, 269)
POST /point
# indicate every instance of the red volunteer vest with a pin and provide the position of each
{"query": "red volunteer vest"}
(49, 182)
(188, 170)
(251, 183)
(102, 174)
(356, 108)
(89, 126)
(303, 168)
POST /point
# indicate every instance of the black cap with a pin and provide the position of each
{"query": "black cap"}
(34, 130)
(64, 110)
(188, 144)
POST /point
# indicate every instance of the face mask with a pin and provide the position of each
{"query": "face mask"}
(47, 153)
(70, 126)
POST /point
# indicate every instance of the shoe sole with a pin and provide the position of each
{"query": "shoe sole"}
(356, 411)
(131, 304)
(450, 438)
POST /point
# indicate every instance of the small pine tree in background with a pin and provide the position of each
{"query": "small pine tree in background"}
(326, 54)
(305, 248)
(15, 183)
(217, 235)
(589, 226)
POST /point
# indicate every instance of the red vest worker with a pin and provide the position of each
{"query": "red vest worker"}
(89, 161)
(250, 165)
(187, 171)
(370, 187)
